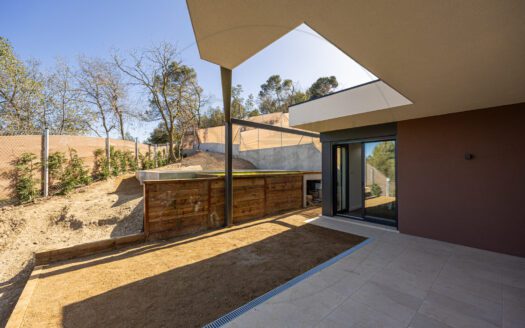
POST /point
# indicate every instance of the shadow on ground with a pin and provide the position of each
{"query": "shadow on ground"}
(195, 294)
(133, 223)
(127, 190)
(10, 291)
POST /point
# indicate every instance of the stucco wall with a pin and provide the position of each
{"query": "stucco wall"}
(478, 202)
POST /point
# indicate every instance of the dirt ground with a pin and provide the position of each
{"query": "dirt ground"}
(209, 161)
(184, 282)
(101, 210)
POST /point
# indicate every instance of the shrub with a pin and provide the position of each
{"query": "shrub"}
(100, 169)
(120, 162)
(146, 162)
(375, 190)
(23, 178)
(55, 166)
(130, 159)
(75, 175)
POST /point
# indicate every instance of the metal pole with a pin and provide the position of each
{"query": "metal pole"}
(108, 153)
(226, 79)
(137, 150)
(45, 163)
(155, 154)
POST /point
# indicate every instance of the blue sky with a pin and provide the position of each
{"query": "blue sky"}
(45, 30)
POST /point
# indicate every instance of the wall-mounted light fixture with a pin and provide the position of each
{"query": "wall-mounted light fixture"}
(469, 156)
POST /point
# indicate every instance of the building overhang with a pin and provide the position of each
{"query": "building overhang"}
(322, 113)
(445, 56)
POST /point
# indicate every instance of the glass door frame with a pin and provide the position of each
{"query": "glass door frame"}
(363, 216)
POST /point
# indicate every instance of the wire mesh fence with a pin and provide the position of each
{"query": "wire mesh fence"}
(39, 163)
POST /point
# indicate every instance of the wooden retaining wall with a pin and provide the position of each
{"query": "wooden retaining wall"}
(178, 207)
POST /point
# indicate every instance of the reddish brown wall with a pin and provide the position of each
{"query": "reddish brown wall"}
(479, 202)
(178, 207)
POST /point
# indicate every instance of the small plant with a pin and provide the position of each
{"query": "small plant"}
(162, 159)
(100, 169)
(75, 175)
(375, 190)
(131, 161)
(120, 162)
(55, 164)
(146, 162)
(23, 178)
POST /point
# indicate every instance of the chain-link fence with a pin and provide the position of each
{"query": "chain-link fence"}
(38, 163)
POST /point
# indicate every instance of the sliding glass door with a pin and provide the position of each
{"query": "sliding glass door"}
(365, 181)
(380, 180)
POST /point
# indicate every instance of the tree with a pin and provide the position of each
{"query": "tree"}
(250, 109)
(159, 135)
(322, 87)
(92, 79)
(65, 110)
(21, 96)
(237, 103)
(115, 91)
(277, 95)
(214, 117)
(383, 158)
(174, 95)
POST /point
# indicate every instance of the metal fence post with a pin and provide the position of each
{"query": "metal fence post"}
(155, 154)
(137, 150)
(45, 163)
(108, 153)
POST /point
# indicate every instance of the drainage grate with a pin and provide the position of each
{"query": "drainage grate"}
(253, 303)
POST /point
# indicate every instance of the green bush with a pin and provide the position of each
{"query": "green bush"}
(162, 159)
(131, 162)
(100, 169)
(120, 162)
(75, 175)
(23, 178)
(146, 162)
(375, 190)
(55, 166)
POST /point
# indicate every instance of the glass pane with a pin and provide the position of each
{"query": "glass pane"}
(341, 178)
(380, 179)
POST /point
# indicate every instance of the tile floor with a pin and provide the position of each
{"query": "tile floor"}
(399, 280)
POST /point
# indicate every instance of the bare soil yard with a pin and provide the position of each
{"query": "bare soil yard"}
(101, 210)
(184, 282)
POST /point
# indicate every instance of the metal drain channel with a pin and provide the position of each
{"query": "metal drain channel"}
(253, 303)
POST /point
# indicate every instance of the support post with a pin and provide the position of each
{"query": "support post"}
(136, 150)
(226, 81)
(155, 155)
(45, 163)
(108, 153)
